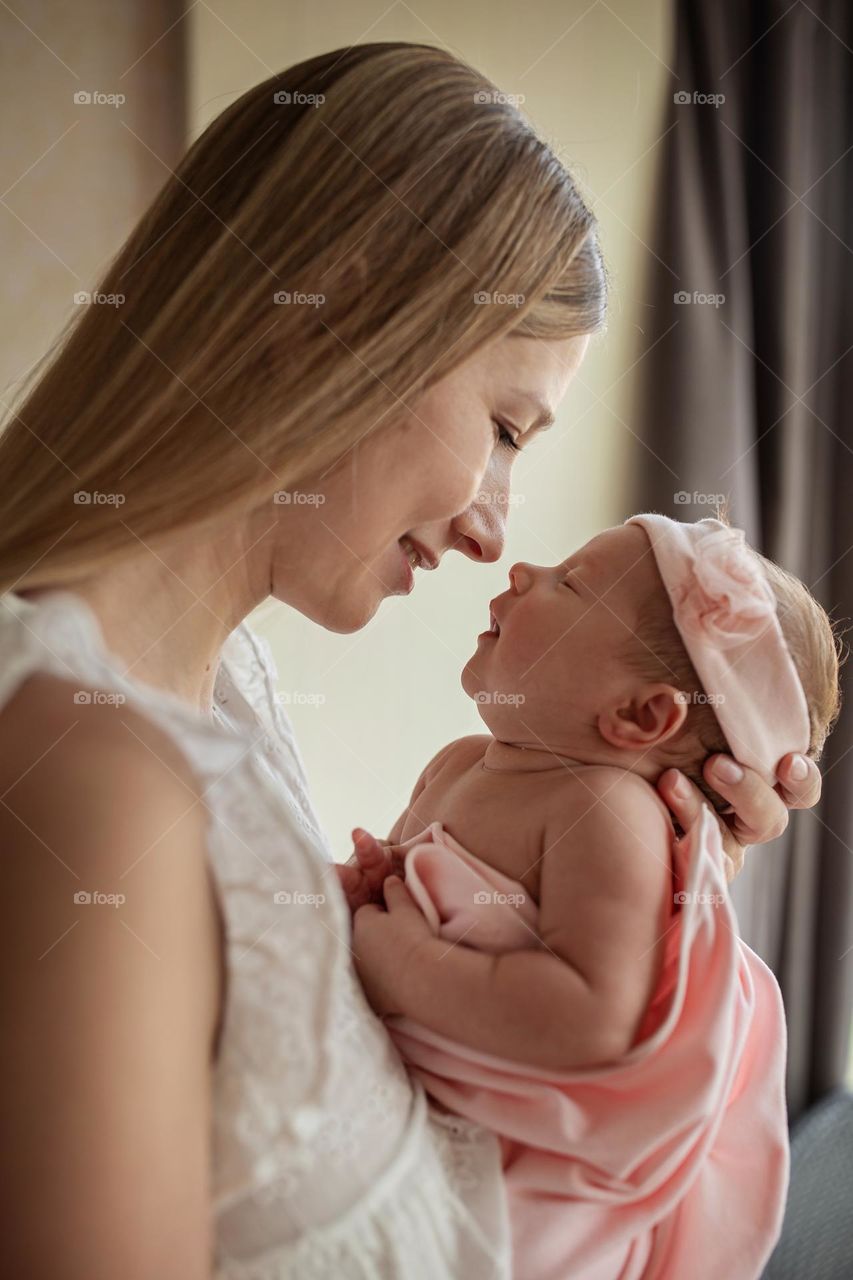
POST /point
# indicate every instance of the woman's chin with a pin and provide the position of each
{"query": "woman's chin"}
(344, 608)
(346, 614)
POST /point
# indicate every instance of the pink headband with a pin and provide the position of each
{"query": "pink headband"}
(725, 611)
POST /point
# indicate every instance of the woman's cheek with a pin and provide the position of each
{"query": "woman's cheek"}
(494, 486)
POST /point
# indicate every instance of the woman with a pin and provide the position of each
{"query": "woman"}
(301, 396)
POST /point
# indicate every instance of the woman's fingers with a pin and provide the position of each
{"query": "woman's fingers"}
(759, 812)
(799, 781)
(686, 801)
(349, 876)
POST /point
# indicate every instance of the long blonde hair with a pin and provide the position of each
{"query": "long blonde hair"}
(320, 256)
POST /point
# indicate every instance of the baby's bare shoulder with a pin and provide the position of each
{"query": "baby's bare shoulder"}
(597, 795)
(459, 754)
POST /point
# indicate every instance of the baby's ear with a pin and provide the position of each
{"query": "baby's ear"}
(654, 714)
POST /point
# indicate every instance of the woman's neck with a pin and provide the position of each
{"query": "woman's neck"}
(166, 612)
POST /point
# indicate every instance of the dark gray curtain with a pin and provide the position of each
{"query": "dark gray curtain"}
(748, 392)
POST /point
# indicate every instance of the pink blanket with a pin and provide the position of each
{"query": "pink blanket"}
(672, 1162)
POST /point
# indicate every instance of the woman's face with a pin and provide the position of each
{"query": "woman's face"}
(436, 480)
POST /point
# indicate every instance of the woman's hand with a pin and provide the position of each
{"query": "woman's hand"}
(758, 812)
(385, 945)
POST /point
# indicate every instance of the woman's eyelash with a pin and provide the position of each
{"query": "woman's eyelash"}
(506, 438)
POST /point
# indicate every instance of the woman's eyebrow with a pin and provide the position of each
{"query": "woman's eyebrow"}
(545, 418)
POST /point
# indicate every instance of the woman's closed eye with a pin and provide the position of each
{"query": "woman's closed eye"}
(505, 437)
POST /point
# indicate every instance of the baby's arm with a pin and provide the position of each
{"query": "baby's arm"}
(605, 881)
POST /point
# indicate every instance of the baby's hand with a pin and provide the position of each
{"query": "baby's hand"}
(363, 877)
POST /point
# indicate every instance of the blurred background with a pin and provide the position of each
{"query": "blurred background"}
(713, 141)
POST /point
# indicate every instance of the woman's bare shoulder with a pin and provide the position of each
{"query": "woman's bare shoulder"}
(94, 794)
(47, 711)
(109, 960)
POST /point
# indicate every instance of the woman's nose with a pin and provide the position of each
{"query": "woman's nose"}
(480, 531)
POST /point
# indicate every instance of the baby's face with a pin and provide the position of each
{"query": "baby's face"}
(550, 665)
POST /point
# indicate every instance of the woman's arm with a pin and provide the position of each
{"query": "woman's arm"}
(108, 1009)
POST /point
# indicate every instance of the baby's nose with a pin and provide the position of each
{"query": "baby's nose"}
(522, 576)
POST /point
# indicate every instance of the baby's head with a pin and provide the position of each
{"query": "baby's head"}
(585, 658)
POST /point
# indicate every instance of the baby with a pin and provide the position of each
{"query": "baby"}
(562, 966)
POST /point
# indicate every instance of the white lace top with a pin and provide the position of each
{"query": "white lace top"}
(327, 1163)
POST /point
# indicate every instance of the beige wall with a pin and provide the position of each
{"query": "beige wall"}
(77, 175)
(594, 84)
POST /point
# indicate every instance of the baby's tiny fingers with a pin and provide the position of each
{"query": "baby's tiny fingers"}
(368, 849)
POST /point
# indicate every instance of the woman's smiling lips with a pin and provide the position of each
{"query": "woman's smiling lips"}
(413, 555)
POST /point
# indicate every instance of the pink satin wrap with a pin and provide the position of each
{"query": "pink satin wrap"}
(671, 1162)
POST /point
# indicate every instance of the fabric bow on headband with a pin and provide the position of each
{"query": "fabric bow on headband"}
(725, 612)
